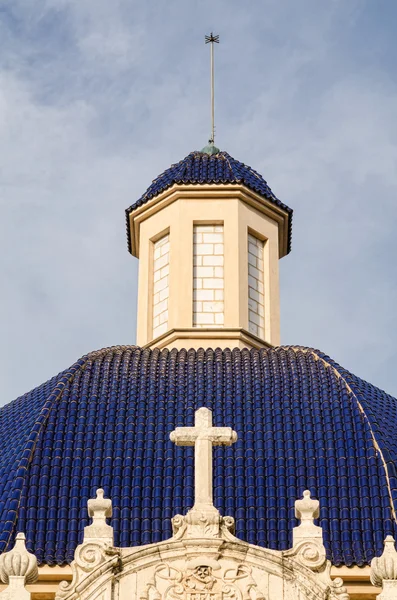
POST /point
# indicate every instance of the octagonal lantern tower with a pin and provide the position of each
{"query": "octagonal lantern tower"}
(208, 233)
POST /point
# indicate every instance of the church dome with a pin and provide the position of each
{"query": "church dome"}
(303, 422)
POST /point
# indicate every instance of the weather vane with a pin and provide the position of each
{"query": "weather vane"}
(212, 39)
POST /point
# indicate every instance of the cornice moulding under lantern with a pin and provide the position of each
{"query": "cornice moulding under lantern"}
(211, 193)
(192, 337)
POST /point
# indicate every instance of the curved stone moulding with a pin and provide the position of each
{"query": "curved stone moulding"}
(202, 569)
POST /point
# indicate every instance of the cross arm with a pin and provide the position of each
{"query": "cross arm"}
(222, 436)
(184, 436)
(219, 436)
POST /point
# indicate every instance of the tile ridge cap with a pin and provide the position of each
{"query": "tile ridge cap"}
(342, 373)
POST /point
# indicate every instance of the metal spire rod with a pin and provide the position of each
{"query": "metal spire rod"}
(212, 39)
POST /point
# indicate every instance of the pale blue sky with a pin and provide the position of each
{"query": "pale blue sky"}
(97, 98)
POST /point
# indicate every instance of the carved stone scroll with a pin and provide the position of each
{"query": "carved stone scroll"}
(204, 581)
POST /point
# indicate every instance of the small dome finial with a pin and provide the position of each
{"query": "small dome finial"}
(210, 148)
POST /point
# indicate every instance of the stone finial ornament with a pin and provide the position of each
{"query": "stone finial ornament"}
(309, 550)
(18, 567)
(96, 551)
(307, 509)
(384, 570)
(99, 509)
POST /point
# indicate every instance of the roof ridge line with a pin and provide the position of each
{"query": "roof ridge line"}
(121, 347)
(227, 157)
(335, 367)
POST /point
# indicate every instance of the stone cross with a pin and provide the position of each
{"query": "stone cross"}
(203, 436)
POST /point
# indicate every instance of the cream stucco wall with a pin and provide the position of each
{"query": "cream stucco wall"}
(177, 212)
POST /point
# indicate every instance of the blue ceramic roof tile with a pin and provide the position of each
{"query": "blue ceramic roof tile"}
(302, 420)
(201, 168)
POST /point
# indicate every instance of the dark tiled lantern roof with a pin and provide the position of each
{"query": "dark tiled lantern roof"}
(203, 168)
(302, 421)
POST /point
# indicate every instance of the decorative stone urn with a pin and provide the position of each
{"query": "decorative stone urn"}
(384, 571)
(17, 568)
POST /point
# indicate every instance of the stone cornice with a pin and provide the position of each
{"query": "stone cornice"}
(210, 192)
(189, 335)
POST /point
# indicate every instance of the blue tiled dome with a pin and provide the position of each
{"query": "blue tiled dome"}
(220, 168)
(302, 421)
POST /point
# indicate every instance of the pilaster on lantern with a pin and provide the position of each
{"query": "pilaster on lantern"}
(18, 567)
